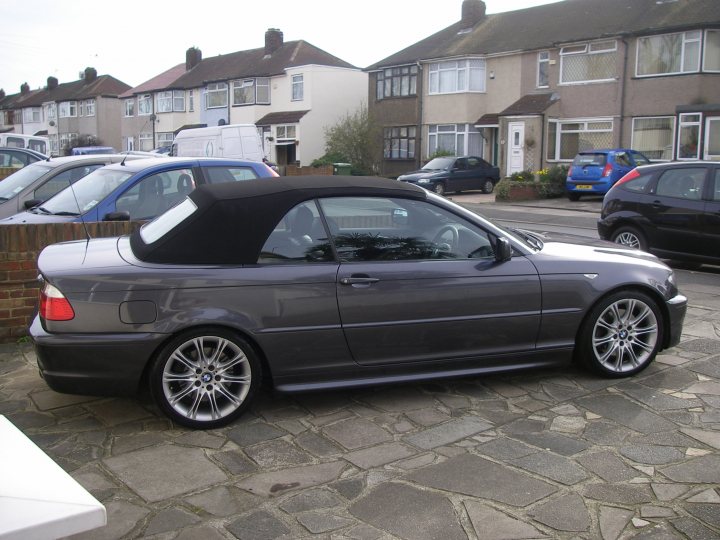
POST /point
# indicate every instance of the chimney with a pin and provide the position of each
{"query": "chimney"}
(24, 88)
(193, 56)
(90, 75)
(2, 93)
(273, 40)
(473, 11)
(52, 83)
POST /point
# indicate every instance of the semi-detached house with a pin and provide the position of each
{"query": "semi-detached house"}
(527, 89)
(293, 91)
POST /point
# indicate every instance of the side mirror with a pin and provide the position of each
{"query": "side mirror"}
(32, 203)
(117, 216)
(503, 250)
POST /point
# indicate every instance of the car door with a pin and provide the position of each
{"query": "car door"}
(711, 215)
(418, 283)
(674, 207)
(457, 176)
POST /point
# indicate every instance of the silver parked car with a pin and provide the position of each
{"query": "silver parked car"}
(330, 282)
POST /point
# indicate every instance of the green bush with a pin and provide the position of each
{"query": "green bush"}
(552, 181)
(523, 176)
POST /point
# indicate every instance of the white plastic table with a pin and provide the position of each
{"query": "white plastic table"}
(38, 499)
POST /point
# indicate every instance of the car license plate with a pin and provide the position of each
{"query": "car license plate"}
(583, 186)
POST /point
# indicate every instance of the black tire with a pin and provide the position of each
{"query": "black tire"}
(488, 186)
(621, 335)
(439, 188)
(205, 378)
(573, 196)
(629, 236)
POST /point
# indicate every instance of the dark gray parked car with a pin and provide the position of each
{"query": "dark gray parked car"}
(328, 282)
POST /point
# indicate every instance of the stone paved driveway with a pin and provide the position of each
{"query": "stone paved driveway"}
(558, 454)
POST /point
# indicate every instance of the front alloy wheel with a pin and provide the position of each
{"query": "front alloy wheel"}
(205, 379)
(488, 186)
(622, 334)
(439, 188)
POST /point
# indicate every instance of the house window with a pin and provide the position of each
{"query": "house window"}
(688, 147)
(216, 95)
(285, 132)
(171, 101)
(32, 115)
(457, 139)
(129, 143)
(711, 61)
(191, 100)
(51, 111)
(164, 139)
(144, 105)
(543, 77)
(457, 76)
(68, 109)
(399, 142)
(67, 140)
(54, 148)
(297, 88)
(145, 141)
(130, 107)
(89, 107)
(654, 136)
(262, 91)
(590, 62)
(668, 54)
(178, 100)
(397, 82)
(244, 92)
(568, 137)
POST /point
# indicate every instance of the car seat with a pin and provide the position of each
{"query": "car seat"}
(687, 188)
(150, 199)
(301, 226)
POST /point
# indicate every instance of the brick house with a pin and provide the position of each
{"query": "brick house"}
(527, 89)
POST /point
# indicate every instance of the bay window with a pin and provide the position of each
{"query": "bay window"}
(251, 91)
(457, 139)
(171, 101)
(568, 137)
(67, 109)
(399, 142)
(711, 61)
(397, 82)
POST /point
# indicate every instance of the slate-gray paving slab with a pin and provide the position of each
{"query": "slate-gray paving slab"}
(409, 513)
(448, 432)
(492, 524)
(565, 513)
(479, 477)
(626, 412)
(357, 433)
(608, 466)
(700, 470)
(260, 525)
(557, 468)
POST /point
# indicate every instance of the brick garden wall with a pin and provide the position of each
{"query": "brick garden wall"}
(293, 170)
(20, 246)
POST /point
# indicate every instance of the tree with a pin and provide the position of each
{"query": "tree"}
(357, 138)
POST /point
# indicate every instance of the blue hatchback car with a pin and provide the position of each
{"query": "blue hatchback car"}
(137, 190)
(594, 172)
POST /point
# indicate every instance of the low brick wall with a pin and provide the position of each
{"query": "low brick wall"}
(20, 246)
(293, 170)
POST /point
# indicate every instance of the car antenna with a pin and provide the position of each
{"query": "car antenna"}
(82, 220)
(122, 163)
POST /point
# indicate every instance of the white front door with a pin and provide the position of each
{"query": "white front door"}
(712, 138)
(516, 151)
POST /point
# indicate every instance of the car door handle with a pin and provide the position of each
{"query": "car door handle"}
(358, 280)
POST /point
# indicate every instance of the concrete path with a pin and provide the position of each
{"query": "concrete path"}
(541, 454)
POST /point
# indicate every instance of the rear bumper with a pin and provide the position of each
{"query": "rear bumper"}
(595, 187)
(93, 364)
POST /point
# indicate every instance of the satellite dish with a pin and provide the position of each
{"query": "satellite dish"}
(221, 122)
(51, 123)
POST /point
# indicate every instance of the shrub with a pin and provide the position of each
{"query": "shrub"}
(523, 176)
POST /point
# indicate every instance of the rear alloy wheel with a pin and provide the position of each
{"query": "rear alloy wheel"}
(439, 188)
(622, 334)
(205, 379)
(488, 186)
(630, 237)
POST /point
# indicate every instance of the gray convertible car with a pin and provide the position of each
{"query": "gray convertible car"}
(328, 282)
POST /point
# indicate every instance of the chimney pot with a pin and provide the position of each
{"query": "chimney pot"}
(273, 40)
(473, 11)
(52, 83)
(24, 88)
(90, 75)
(193, 56)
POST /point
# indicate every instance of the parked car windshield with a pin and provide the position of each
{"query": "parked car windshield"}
(438, 163)
(596, 160)
(19, 180)
(84, 194)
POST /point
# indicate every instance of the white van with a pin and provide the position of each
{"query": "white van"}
(237, 141)
(31, 142)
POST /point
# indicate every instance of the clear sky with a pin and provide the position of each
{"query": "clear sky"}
(134, 40)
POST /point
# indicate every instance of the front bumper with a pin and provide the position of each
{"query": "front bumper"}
(677, 307)
(93, 364)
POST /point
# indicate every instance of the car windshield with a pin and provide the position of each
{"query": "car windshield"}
(84, 194)
(587, 160)
(438, 163)
(21, 179)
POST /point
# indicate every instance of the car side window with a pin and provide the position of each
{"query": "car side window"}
(638, 183)
(220, 175)
(156, 193)
(63, 180)
(11, 159)
(622, 159)
(382, 229)
(684, 183)
(299, 238)
(473, 163)
(639, 159)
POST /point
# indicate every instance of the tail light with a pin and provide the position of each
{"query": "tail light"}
(607, 171)
(569, 173)
(53, 304)
(629, 176)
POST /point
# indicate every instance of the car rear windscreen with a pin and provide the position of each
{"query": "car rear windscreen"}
(596, 160)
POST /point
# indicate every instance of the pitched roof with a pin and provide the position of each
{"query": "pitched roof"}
(562, 22)
(159, 82)
(255, 63)
(531, 104)
(103, 85)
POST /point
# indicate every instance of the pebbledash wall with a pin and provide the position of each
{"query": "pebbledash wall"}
(20, 246)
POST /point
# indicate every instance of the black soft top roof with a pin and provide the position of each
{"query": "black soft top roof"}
(234, 219)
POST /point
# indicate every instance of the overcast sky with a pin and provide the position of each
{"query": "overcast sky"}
(135, 40)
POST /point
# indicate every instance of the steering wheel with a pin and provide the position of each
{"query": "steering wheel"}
(454, 241)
